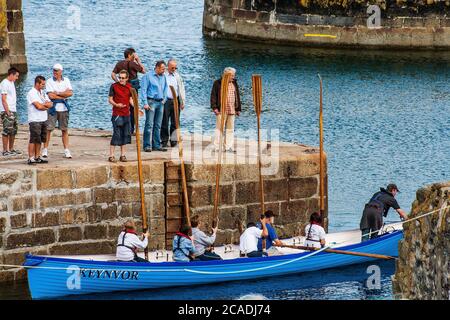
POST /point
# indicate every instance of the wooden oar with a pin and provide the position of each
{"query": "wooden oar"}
(141, 178)
(223, 106)
(321, 157)
(257, 101)
(180, 152)
(353, 253)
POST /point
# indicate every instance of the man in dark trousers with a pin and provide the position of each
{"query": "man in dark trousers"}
(376, 208)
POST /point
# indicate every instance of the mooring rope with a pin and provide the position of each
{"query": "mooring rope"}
(409, 220)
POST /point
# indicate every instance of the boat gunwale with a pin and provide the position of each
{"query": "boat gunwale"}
(240, 260)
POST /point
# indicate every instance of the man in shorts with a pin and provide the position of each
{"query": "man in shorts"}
(59, 90)
(8, 112)
(38, 104)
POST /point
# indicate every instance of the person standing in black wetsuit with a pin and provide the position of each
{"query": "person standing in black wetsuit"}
(376, 208)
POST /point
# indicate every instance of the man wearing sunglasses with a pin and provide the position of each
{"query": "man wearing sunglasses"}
(59, 90)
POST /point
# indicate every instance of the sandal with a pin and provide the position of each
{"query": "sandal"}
(123, 159)
(112, 159)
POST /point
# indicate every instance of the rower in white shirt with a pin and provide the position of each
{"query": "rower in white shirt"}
(315, 233)
(128, 243)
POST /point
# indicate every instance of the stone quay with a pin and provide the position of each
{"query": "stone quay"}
(77, 206)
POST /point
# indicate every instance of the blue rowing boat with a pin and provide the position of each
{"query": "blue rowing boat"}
(55, 277)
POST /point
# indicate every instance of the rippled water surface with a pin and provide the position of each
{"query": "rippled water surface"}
(387, 114)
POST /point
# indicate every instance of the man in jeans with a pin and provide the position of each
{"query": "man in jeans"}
(153, 96)
(133, 65)
(59, 90)
(8, 112)
(173, 79)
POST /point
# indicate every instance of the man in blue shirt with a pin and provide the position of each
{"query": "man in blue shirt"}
(153, 96)
(272, 238)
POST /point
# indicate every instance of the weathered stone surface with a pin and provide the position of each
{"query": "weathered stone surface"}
(254, 211)
(45, 219)
(2, 225)
(157, 226)
(54, 179)
(127, 194)
(207, 173)
(22, 203)
(129, 209)
(109, 212)
(98, 231)
(303, 187)
(114, 230)
(151, 171)
(85, 247)
(68, 234)
(30, 239)
(8, 177)
(423, 268)
(247, 192)
(18, 220)
(229, 216)
(103, 195)
(297, 210)
(92, 176)
(67, 216)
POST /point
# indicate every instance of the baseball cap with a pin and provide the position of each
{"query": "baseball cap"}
(58, 67)
(392, 186)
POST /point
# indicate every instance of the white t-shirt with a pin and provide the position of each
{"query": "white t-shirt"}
(248, 241)
(7, 87)
(58, 86)
(34, 114)
(131, 240)
(317, 233)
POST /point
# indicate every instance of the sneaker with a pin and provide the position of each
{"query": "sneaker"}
(44, 153)
(148, 149)
(230, 150)
(16, 152)
(160, 149)
(40, 160)
(7, 153)
(67, 154)
(31, 161)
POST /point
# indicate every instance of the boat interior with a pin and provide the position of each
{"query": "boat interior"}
(231, 251)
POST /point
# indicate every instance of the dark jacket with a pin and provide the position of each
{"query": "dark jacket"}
(215, 95)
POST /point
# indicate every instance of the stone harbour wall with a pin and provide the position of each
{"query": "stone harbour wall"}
(74, 211)
(68, 211)
(293, 22)
(423, 267)
(12, 38)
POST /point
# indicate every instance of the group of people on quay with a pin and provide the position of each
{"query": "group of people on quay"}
(49, 108)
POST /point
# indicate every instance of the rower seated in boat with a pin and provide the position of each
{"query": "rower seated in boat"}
(202, 242)
(183, 246)
(248, 242)
(315, 233)
(272, 239)
(128, 243)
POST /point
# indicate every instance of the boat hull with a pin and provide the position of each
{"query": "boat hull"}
(51, 278)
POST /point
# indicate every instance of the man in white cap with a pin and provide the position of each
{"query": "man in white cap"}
(59, 91)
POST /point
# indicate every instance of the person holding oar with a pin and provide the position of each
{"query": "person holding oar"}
(376, 208)
(183, 245)
(271, 238)
(128, 243)
(248, 242)
(202, 242)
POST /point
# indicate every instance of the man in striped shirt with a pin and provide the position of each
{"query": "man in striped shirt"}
(232, 109)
